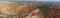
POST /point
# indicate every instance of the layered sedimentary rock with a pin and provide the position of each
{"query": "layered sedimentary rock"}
(19, 10)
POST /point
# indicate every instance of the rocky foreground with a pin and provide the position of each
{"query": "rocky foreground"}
(26, 10)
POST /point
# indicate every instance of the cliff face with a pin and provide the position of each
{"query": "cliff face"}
(28, 10)
(19, 10)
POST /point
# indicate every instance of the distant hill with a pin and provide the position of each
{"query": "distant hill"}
(47, 2)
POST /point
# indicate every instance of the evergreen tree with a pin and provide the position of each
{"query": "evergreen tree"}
(45, 9)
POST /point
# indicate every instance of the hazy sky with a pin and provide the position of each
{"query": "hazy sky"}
(34, 0)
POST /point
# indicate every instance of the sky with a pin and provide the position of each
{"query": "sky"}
(34, 0)
(31, 0)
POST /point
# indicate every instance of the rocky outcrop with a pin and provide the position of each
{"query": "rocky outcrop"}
(19, 10)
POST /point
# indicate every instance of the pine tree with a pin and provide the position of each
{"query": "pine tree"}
(45, 9)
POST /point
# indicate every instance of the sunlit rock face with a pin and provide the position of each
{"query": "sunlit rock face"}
(19, 9)
(35, 16)
(4, 9)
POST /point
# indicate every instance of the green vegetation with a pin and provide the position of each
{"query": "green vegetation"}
(45, 9)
